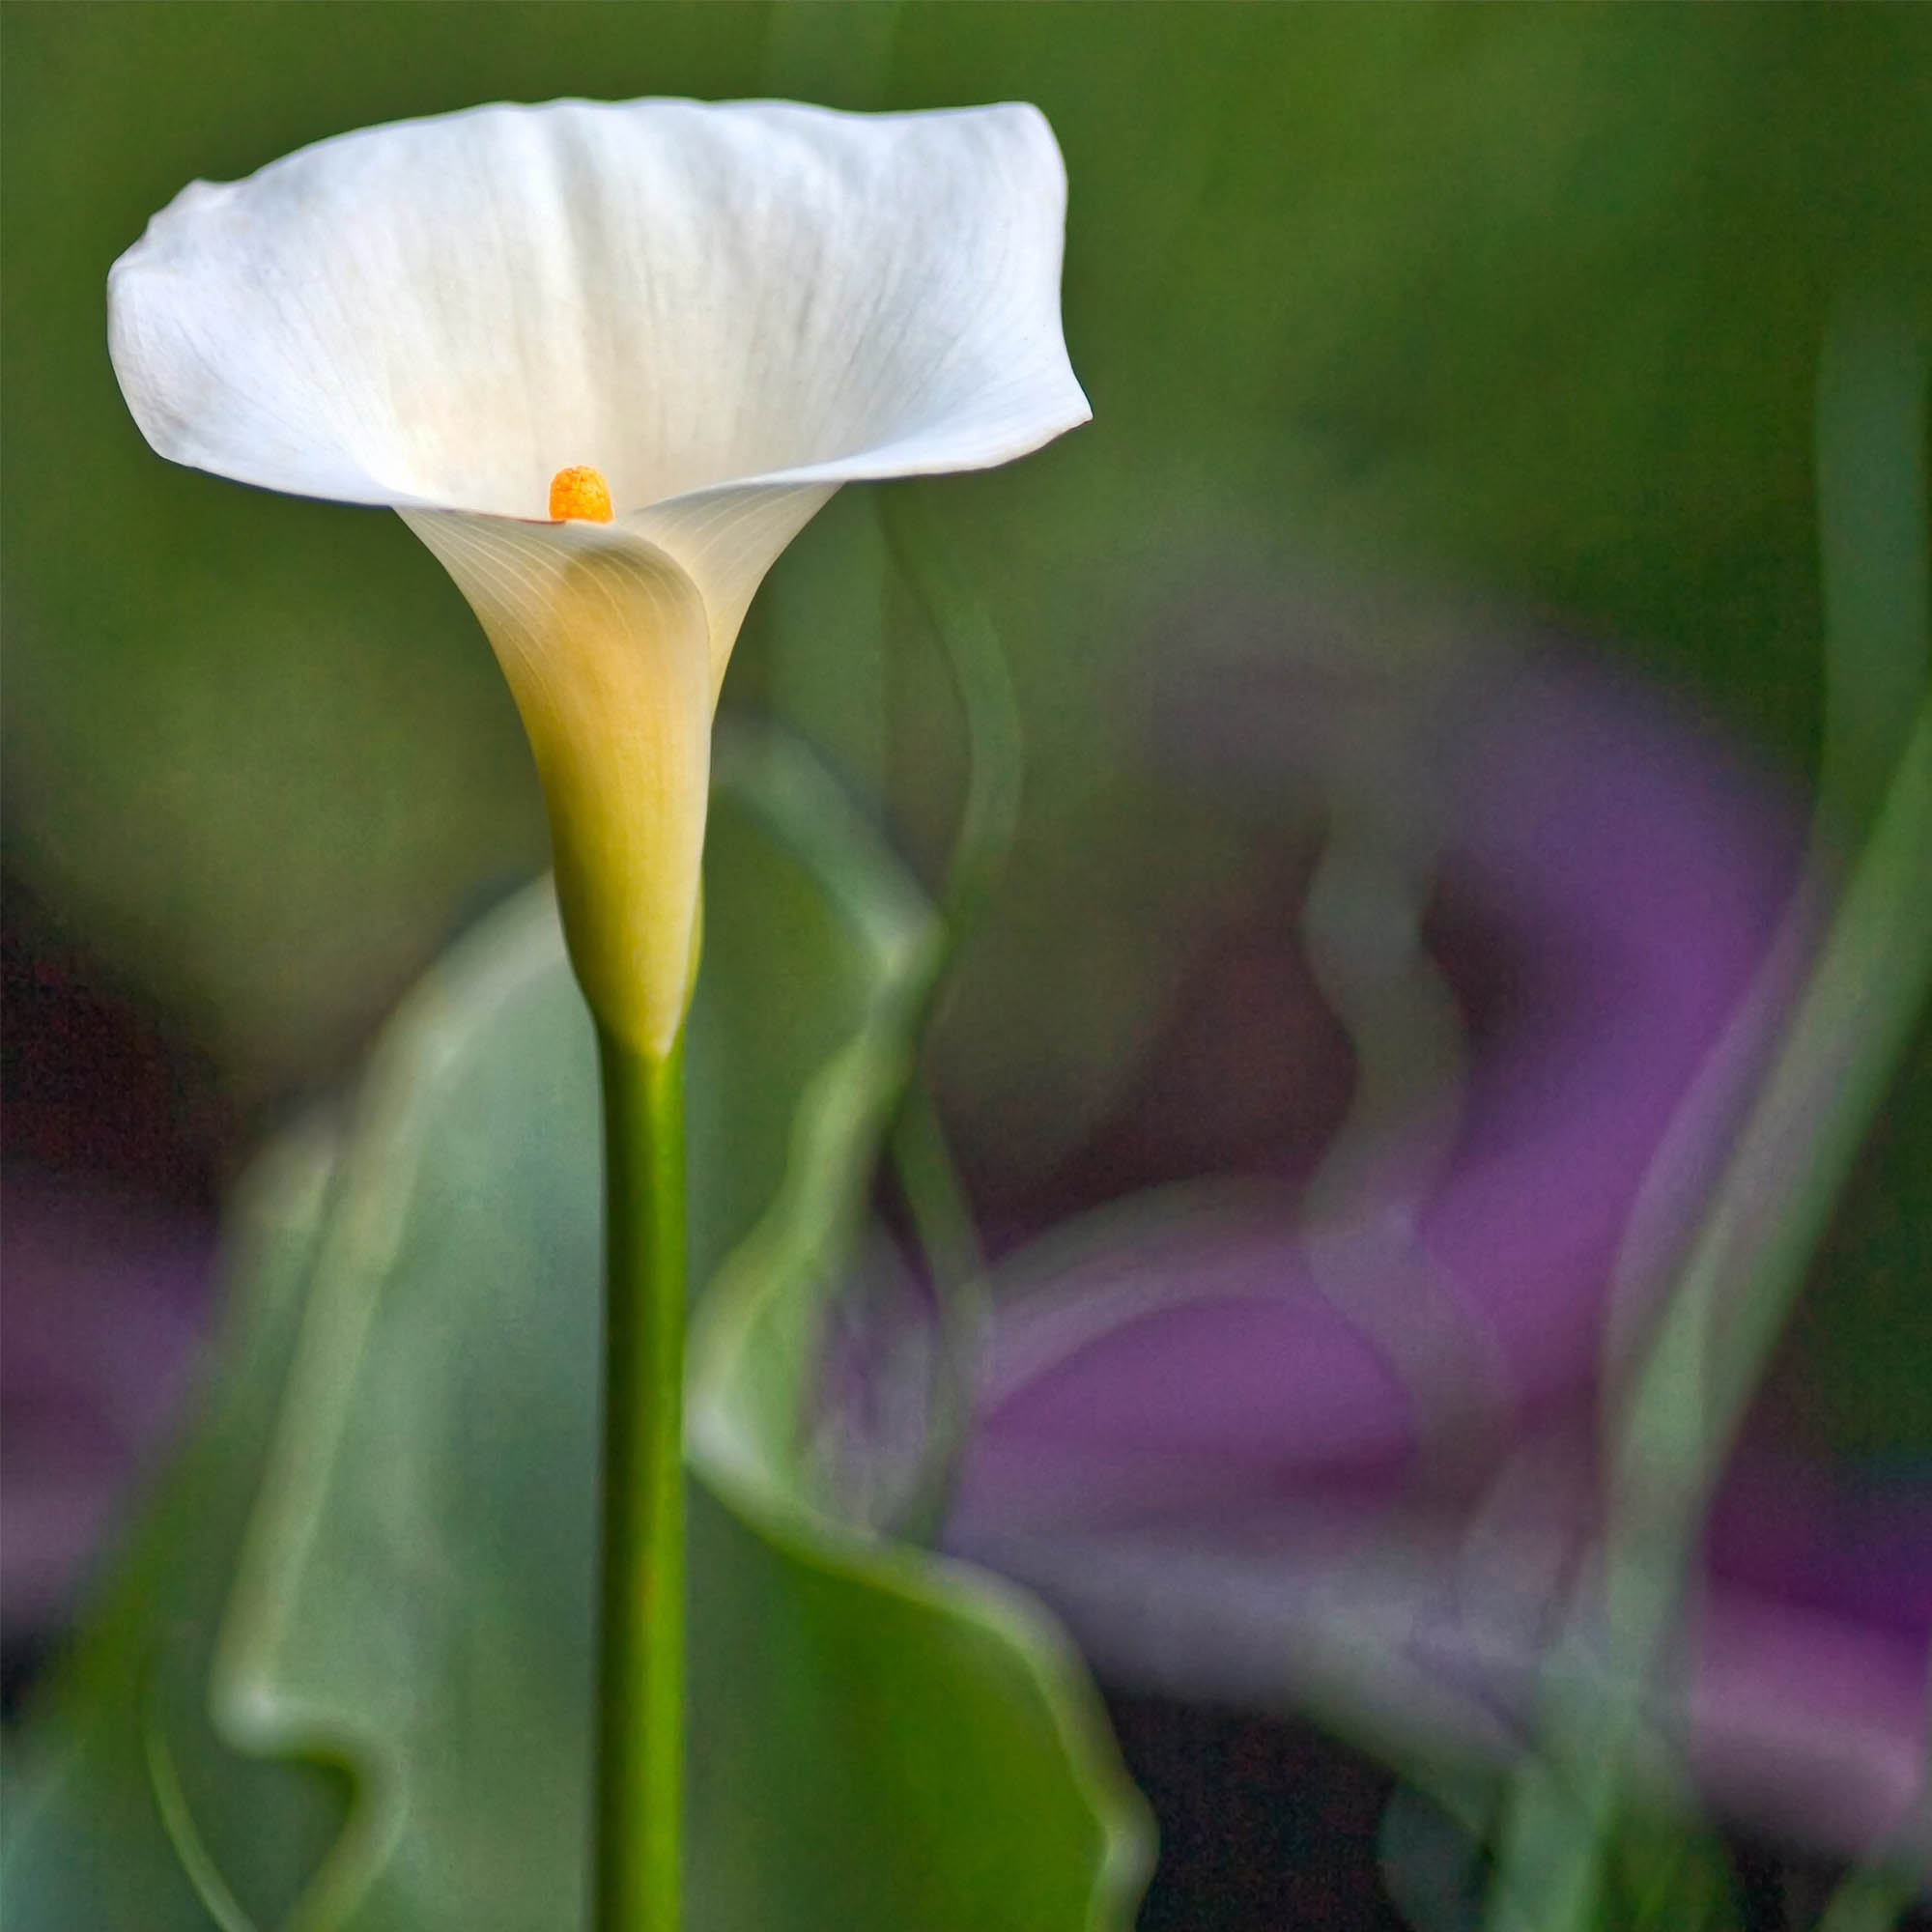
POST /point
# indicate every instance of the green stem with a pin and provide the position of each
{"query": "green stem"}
(639, 1805)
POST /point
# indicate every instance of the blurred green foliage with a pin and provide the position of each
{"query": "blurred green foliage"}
(377, 1559)
(1518, 300)
(1522, 299)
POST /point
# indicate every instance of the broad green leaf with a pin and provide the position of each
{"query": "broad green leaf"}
(955, 1688)
(878, 1739)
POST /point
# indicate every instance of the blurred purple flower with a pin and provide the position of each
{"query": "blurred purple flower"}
(1337, 1448)
(105, 1304)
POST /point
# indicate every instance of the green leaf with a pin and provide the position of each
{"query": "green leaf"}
(1662, 1874)
(878, 1739)
(1667, 1878)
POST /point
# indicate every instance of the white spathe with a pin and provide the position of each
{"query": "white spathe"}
(729, 310)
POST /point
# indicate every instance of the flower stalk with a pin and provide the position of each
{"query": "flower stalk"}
(638, 1808)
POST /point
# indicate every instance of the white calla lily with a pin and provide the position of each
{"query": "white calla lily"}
(726, 310)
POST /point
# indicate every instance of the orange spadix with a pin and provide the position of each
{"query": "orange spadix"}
(581, 492)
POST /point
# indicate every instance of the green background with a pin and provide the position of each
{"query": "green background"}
(1515, 303)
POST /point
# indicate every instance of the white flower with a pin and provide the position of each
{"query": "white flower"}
(727, 311)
